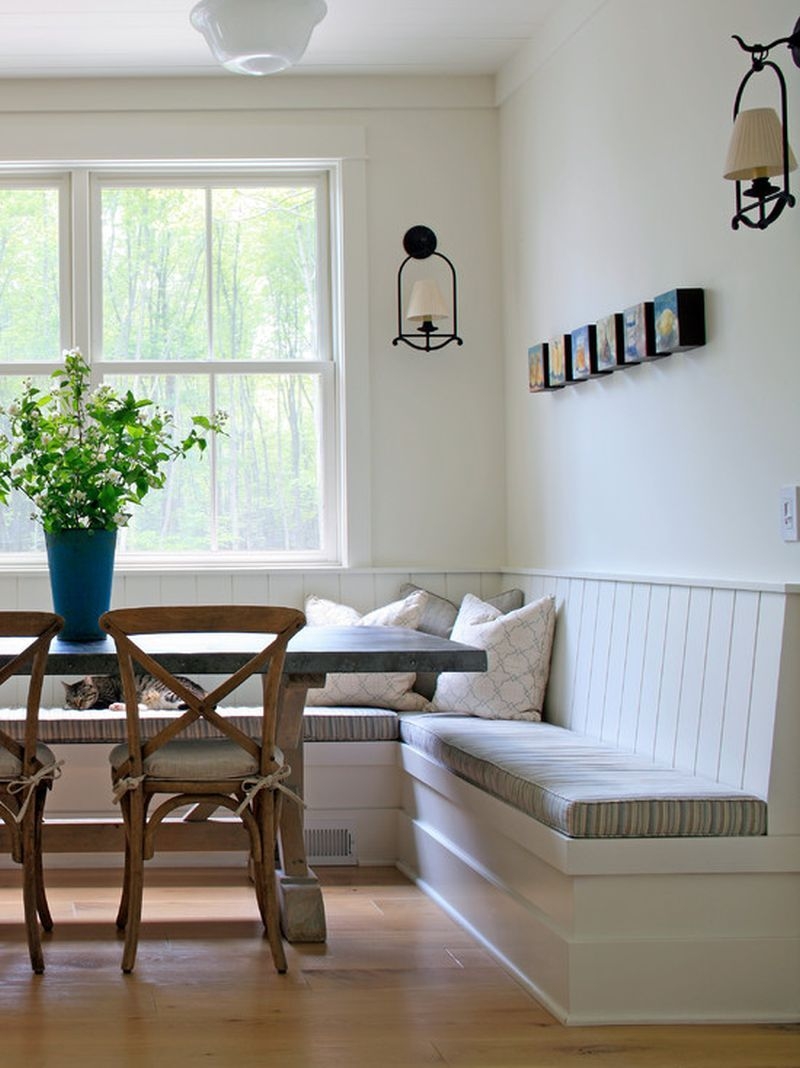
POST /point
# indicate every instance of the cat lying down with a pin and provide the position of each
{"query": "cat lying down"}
(105, 691)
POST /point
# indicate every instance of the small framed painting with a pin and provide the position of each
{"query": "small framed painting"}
(537, 368)
(610, 341)
(583, 352)
(558, 350)
(640, 334)
(680, 322)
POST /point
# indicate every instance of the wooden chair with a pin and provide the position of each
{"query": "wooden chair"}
(230, 770)
(27, 769)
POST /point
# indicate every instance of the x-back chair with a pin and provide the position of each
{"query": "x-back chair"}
(27, 769)
(232, 770)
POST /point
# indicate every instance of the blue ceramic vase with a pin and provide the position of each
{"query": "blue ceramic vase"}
(81, 566)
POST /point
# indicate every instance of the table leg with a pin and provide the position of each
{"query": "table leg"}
(299, 893)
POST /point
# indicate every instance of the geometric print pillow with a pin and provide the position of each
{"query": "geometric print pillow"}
(518, 647)
(392, 690)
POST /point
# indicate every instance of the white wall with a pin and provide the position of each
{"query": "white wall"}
(612, 151)
(425, 444)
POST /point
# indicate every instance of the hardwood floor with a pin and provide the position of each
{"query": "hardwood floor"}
(398, 984)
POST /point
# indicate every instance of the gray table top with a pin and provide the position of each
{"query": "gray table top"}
(314, 650)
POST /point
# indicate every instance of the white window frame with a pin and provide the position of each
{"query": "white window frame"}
(80, 190)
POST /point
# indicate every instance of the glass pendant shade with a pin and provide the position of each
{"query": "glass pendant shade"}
(756, 147)
(426, 302)
(257, 36)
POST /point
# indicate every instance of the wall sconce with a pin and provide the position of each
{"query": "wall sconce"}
(426, 305)
(257, 36)
(759, 148)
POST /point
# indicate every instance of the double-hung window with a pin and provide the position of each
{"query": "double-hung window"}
(204, 291)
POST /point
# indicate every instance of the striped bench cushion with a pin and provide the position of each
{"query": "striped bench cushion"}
(69, 726)
(580, 787)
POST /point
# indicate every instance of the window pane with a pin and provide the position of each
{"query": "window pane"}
(29, 275)
(18, 532)
(176, 517)
(265, 273)
(154, 274)
(269, 482)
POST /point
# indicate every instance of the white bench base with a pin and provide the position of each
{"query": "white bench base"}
(635, 931)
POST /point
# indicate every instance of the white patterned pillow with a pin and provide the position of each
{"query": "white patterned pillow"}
(518, 646)
(372, 689)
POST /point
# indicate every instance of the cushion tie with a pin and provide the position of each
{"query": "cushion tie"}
(30, 782)
(123, 785)
(273, 781)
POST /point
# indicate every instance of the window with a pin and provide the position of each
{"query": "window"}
(202, 292)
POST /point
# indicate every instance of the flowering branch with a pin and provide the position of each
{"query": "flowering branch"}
(85, 457)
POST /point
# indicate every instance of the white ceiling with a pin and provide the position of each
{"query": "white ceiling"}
(92, 38)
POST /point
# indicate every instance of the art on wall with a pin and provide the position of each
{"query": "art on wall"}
(609, 342)
(679, 316)
(674, 321)
(640, 333)
(558, 361)
(583, 352)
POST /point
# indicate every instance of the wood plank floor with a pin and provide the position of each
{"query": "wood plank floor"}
(398, 984)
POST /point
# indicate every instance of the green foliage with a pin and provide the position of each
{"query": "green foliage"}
(83, 457)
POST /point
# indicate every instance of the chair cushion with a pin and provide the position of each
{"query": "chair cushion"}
(10, 767)
(578, 786)
(206, 758)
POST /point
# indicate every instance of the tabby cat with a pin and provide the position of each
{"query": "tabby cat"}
(105, 691)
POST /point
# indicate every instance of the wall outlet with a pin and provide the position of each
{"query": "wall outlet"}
(790, 500)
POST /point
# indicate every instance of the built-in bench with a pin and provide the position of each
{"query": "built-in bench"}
(637, 856)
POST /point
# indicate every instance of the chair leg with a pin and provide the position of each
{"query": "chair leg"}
(134, 880)
(272, 923)
(41, 897)
(30, 890)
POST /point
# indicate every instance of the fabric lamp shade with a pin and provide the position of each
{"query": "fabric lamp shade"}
(756, 147)
(427, 302)
(257, 36)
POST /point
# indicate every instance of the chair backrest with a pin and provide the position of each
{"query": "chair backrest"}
(130, 629)
(25, 639)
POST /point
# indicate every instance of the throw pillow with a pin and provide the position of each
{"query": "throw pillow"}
(438, 618)
(376, 690)
(518, 646)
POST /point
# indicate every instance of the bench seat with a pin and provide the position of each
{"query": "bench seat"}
(580, 787)
(69, 726)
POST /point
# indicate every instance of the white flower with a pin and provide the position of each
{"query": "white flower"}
(13, 409)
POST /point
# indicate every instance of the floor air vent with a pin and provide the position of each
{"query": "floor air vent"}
(331, 843)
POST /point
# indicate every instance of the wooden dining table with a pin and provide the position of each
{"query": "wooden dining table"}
(312, 654)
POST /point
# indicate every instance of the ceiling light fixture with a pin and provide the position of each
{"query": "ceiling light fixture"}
(257, 36)
(759, 148)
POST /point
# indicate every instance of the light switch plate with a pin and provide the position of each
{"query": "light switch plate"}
(790, 499)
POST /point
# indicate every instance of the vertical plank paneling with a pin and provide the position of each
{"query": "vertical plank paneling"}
(766, 672)
(214, 587)
(617, 662)
(598, 675)
(9, 592)
(358, 590)
(692, 679)
(436, 583)
(630, 702)
(559, 695)
(286, 588)
(715, 687)
(325, 584)
(585, 652)
(738, 691)
(672, 675)
(249, 587)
